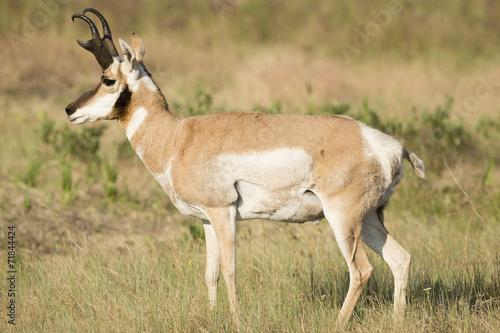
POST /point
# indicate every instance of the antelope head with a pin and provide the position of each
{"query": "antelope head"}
(121, 77)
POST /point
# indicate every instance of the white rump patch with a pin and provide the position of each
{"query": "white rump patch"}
(137, 119)
(383, 147)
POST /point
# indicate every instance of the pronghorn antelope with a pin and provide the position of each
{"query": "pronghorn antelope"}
(244, 165)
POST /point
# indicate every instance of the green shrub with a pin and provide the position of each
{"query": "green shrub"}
(69, 189)
(34, 167)
(82, 143)
(110, 186)
(445, 132)
(434, 134)
(329, 109)
(196, 231)
(203, 102)
(125, 150)
(275, 108)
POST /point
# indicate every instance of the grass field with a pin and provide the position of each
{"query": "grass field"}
(99, 246)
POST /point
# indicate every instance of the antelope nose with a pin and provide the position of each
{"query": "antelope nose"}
(69, 111)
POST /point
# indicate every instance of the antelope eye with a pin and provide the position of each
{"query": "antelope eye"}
(108, 82)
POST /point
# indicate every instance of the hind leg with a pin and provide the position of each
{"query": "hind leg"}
(378, 239)
(347, 230)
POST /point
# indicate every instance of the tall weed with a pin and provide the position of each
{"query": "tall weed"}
(32, 172)
(69, 188)
(110, 179)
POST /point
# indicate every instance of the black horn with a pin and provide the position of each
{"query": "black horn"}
(107, 39)
(103, 48)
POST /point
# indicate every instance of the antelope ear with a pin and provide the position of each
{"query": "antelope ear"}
(138, 47)
(128, 52)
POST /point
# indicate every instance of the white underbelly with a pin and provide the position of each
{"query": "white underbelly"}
(273, 185)
(287, 205)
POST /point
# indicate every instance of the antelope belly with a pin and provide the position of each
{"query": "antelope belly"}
(287, 205)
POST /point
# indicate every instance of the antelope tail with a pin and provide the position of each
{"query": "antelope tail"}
(416, 163)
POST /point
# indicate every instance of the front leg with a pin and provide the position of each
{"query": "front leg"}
(222, 220)
(212, 266)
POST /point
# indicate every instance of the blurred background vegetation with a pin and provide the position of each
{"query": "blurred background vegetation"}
(459, 30)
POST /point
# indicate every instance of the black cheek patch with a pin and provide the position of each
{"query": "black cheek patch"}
(123, 101)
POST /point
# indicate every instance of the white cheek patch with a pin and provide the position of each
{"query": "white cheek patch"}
(98, 109)
(137, 119)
